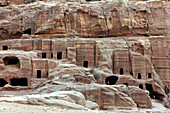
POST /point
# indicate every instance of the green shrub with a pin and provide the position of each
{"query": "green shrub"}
(91, 70)
(96, 76)
(30, 1)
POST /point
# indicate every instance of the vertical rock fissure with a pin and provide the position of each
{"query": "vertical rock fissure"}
(105, 19)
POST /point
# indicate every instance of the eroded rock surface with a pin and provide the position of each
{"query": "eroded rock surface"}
(100, 55)
(94, 19)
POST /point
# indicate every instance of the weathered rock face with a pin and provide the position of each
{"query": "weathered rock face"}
(135, 53)
(105, 19)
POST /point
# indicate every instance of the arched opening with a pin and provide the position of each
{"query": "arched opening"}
(137, 47)
(38, 73)
(140, 50)
(44, 55)
(19, 82)
(139, 76)
(5, 47)
(111, 80)
(59, 55)
(11, 61)
(27, 31)
(3, 82)
(131, 73)
(141, 86)
(85, 64)
(149, 75)
(121, 71)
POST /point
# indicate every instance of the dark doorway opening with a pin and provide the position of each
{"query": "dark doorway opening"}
(44, 55)
(19, 82)
(150, 89)
(111, 80)
(27, 31)
(139, 76)
(59, 55)
(51, 54)
(11, 61)
(149, 75)
(5, 47)
(85, 64)
(88, 0)
(38, 73)
(47, 74)
(141, 86)
(126, 84)
(121, 71)
(131, 73)
(166, 90)
(3, 82)
(153, 94)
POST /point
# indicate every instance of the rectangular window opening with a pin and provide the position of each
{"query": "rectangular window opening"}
(44, 55)
(5, 47)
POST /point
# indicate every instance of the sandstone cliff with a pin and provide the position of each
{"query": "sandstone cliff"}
(97, 55)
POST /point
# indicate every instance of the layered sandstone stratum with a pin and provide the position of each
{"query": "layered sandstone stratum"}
(88, 56)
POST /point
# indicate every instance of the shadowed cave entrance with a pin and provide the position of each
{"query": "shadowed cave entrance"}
(153, 94)
(11, 61)
(141, 86)
(19, 82)
(131, 73)
(111, 80)
(27, 31)
(3, 82)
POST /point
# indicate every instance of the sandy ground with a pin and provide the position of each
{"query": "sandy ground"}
(22, 108)
(6, 107)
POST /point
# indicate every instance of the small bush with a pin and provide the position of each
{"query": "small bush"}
(91, 70)
(96, 76)
(30, 1)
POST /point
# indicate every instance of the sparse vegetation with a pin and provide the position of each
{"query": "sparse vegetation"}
(91, 70)
(30, 1)
(96, 76)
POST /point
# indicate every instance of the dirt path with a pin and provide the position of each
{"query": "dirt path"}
(22, 108)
